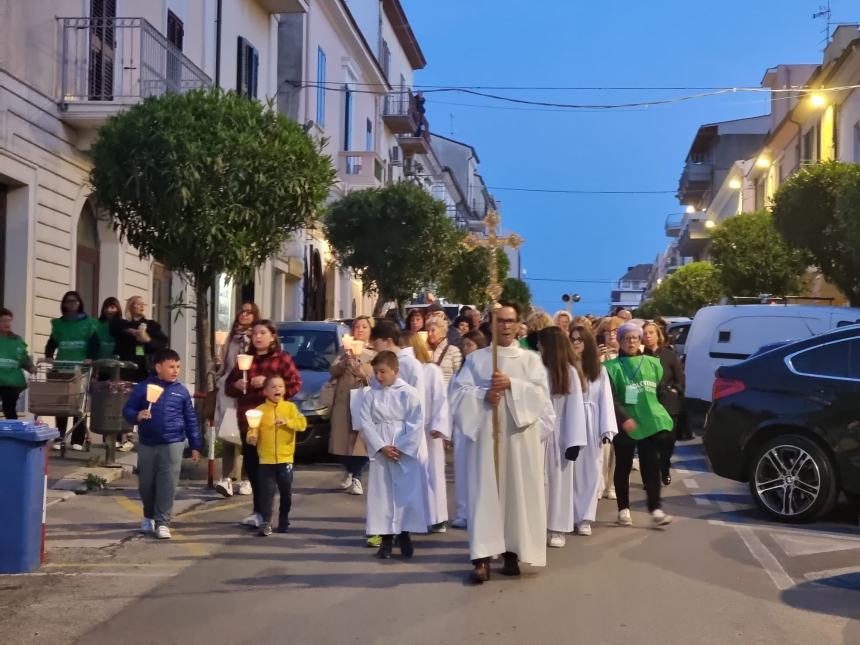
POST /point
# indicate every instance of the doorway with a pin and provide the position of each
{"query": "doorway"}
(102, 47)
(87, 263)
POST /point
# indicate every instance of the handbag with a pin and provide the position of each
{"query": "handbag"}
(228, 428)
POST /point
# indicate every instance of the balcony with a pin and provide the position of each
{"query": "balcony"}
(284, 6)
(358, 170)
(412, 144)
(400, 112)
(673, 224)
(108, 64)
(696, 179)
(695, 235)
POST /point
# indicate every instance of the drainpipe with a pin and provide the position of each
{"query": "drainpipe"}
(218, 44)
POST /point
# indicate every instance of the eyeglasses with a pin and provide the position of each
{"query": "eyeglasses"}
(576, 340)
(247, 311)
(506, 321)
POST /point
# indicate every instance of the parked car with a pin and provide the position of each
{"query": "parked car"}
(314, 346)
(788, 422)
(677, 333)
(728, 334)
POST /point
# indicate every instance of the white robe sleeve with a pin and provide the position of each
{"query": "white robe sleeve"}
(527, 399)
(572, 428)
(370, 432)
(469, 410)
(438, 416)
(547, 421)
(356, 397)
(411, 435)
(607, 425)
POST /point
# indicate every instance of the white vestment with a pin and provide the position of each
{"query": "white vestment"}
(397, 491)
(512, 516)
(588, 469)
(436, 418)
(568, 430)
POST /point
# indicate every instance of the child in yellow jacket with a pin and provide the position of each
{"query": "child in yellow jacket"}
(275, 439)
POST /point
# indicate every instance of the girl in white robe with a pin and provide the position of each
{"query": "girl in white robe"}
(392, 422)
(601, 427)
(568, 431)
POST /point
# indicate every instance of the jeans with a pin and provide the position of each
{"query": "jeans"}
(649, 464)
(270, 477)
(251, 462)
(79, 434)
(158, 475)
(10, 395)
(355, 465)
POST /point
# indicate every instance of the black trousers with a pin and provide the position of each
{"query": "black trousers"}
(649, 464)
(269, 478)
(79, 434)
(10, 395)
(668, 448)
(251, 464)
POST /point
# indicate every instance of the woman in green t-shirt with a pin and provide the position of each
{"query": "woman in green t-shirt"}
(13, 360)
(70, 340)
(643, 420)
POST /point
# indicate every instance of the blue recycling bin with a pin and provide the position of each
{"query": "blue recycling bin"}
(23, 479)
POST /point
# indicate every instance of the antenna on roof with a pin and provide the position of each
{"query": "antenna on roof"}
(824, 12)
(451, 117)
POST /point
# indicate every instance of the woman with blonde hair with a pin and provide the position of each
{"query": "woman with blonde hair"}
(535, 323)
(562, 319)
(606, 337)
(437, 427)
(448, 357)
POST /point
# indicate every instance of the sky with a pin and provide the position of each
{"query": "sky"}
(588, 241)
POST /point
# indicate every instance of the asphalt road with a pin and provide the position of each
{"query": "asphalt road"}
(719, 574)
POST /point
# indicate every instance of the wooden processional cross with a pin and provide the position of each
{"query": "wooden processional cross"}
(494, 242)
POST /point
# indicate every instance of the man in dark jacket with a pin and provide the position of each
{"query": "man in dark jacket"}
(162, 409)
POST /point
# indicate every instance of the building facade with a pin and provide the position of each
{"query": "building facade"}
(630, 289)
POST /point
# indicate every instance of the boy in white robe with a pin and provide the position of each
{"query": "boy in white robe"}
(393, 430)
(437, 424)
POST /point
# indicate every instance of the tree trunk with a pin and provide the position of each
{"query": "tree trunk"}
(204, 350)
(377, 308)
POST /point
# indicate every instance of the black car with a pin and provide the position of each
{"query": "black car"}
(314, 346)
(787, 421)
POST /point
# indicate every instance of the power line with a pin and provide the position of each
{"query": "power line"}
(565, 191)
(570, 281)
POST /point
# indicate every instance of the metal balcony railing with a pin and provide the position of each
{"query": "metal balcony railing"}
(122, 60)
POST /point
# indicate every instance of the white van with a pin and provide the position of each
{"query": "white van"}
(728, 334)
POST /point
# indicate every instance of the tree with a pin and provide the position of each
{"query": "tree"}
(466, 280)
(397, 239)
(684, 292)
(817, 211)
(514, 290)
(752, 258)
(207, 183)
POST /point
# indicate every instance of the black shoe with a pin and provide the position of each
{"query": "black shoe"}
(283, 528)
(667, 479)
(480, 574)
(384, 552)
(511, 566)
(406, 548)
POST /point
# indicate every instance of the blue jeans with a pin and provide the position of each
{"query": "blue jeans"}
(270, 477)
(158, 476)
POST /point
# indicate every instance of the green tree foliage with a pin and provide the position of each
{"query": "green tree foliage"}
(397, 239)
(514, 290)
(208, 183)
(752, 258)
(817, 210)
(684, 292)
(466, 280)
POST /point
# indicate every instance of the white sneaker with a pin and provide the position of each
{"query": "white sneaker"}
(636, 463)
(459, 523)
(126, 446)
(147, 526)
(253, 520)
(659, 518)
(584, 528)
(556, 540)
(610, 494)
(58, 445)
(225, 487)
(624, 518)
(245, 488)
(355, 488)
(78, 447)
(162, 532)
(346, 482)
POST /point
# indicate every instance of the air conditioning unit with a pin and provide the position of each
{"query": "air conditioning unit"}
(394, 157)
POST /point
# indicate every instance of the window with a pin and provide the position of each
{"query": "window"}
(161, 279)
(310, 349)
(247, 66)
(102, 42)
(175, 36)
(320, 87)
(386, 60)
(838, 359)
(368, 142)
(87, 267)
(347, 118)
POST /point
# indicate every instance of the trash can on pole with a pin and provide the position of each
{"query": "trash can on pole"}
(24, 480)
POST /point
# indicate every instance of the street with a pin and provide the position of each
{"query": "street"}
(719, 574)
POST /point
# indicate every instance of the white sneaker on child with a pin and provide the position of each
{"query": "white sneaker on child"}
(162, 532)
(356, 488)
(245, 488)
(624, 518)
(224, 487)
(556, 540)
(583, 528)
(659, 518)
(253, 520)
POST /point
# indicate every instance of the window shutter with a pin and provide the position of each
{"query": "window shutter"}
(241, 67)
(253, 69)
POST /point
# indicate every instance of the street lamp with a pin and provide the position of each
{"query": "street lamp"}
(709, 223)
(735, 183)
(817, 99)
(569, 299)
(763, 161)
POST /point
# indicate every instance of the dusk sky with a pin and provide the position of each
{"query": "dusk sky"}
(573, 43)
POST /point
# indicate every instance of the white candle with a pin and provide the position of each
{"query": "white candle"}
(153, 393)
(254, 417)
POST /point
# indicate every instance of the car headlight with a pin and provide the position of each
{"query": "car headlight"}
(313, 405)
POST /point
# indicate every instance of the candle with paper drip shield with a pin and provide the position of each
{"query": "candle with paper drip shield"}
(244, 362)
(153, 393)
(253, 417)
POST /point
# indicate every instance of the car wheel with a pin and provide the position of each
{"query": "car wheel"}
(792, 479)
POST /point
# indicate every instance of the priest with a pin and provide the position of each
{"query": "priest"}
(506, 511)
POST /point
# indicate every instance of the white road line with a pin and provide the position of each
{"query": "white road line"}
(786, 529)
(726, 507)
(691, 483)
(701, 500)
(765, 558)
(830, 573)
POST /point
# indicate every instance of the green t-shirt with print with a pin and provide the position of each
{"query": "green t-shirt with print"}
(634, 385)
(13, 358)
